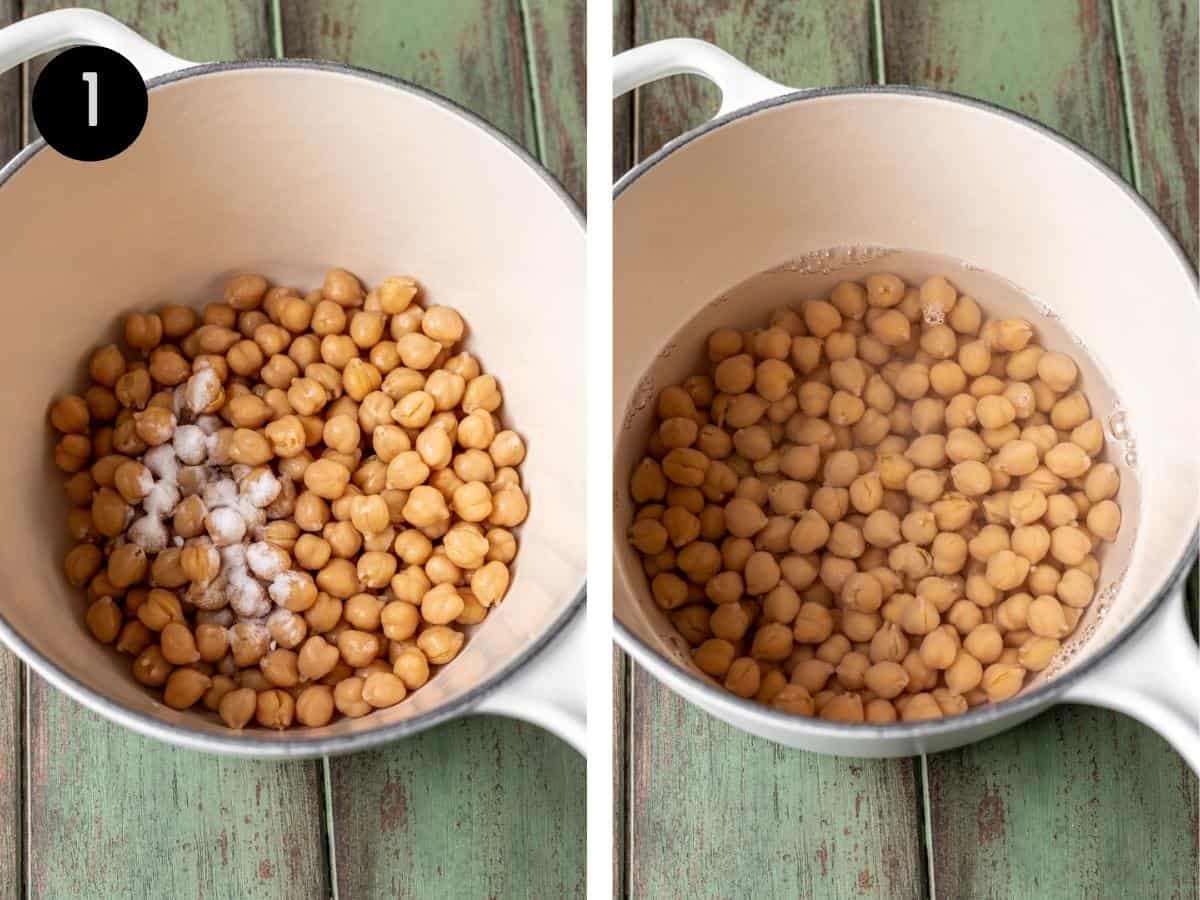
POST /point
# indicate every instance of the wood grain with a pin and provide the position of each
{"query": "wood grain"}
(1069, 805)
(719, 813)
(1075, 803)
(202, 31)
(715, 812)
(620, 725)
(139, 818)
(1161, 56)
(471, 51)
(484, 806)
(622, 106)
(801, 44)
(12, 817)
(477, 808)
(12, 672)
(556, 45)
(1055, 61)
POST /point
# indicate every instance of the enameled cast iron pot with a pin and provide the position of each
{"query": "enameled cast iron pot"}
(787, 192)
(287, 168)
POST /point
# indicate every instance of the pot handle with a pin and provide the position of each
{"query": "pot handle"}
(1153, 678)
(550, 690)
(739, 84)
(63, 28)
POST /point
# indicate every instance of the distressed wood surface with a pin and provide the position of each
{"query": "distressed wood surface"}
(116, 815)
(484, 806)
(620, 762)
(622, 106)
(1068, 805)
(714, 812)
(623, 159)
(472, 51)
(1079, 801)
(199, 30)
(112, 814)
(801, 44)
(12, 673)
(12, 819)
(556, 47)
(1056, 62)
(718, 813)
(1161, 45)
(471, 809)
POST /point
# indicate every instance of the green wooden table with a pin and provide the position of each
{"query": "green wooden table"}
(477, 808)
(1077, 803)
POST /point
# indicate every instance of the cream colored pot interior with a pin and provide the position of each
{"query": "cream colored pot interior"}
(780, 205)
(287, 171)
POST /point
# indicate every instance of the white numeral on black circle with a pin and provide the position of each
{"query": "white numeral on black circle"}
(92, 80)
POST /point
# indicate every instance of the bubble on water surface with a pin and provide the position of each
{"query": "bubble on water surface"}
(829, 260)
(642, 395)
(1118, 425)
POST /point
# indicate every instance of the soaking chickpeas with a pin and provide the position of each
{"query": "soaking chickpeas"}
(881, 506)
(286, 509)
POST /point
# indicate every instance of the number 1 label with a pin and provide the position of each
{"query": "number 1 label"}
(92, 80)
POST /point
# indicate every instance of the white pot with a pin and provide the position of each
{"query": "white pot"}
(288, 168)
(818, 186)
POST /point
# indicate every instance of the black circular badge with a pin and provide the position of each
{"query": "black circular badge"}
(89, 103)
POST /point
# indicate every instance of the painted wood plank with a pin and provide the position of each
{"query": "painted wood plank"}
(622, 106)
(12, 673)
(12, 818)
(203, 31)
(620, 726)
(1053, 61)
(471, 51)
(556, 42)
(1068, 805)
(1161, 59)
(472, 809)
(199, 30)
(622, 161)
(115, 815)
(1075, 802)
(802, 44)
(719, 813)
(102, 802)
(484, 806)
(715, 812)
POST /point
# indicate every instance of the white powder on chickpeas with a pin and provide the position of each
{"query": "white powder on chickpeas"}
(149, 533)
(202, 390)
(161, 460)
(162, 499)
(190, 444)
(225, 526)
(265, 561)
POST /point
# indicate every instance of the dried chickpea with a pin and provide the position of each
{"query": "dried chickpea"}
(104, 620)
(1104, 519)
(315, 706)
(348, 698)
(383, 689)
(440, 643)
(274, 709)
(184, 688)
(327, 479)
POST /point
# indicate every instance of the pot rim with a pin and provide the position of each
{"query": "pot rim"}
(301, 744)
(735, 709)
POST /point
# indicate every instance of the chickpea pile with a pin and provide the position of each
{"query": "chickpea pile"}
(288, 507)
(879, 507)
